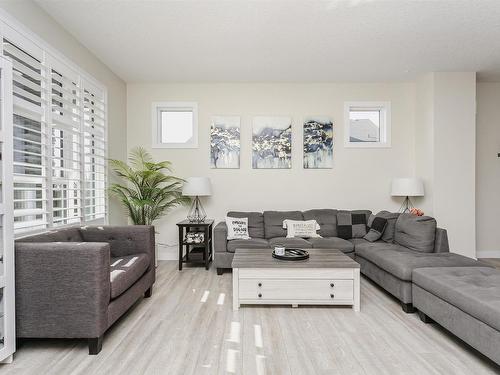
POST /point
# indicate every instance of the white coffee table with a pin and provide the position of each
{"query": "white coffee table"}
(328, 277)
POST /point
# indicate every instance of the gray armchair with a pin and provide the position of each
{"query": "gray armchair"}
(76, 282)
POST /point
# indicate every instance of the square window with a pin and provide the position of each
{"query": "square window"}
(367, 124)
(175, 125)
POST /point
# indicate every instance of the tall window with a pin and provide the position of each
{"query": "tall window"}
(59, 140)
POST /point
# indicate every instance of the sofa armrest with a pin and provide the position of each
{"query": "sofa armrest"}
(220, 237)
(441, 244)
(62, 289)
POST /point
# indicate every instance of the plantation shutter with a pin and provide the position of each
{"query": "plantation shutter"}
(29, 133)
(65, 145)
(95, 152)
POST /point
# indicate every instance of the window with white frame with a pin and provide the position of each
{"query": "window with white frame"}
(175, 124)
(367, 124)
(59, 132)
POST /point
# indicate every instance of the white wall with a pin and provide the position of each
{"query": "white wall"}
(360, 178)
(454, 188)
(39, 22)
(488, 169)
(445, 147)
(424, 140)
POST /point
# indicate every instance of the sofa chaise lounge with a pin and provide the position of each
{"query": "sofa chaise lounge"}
(76, 282)
(465, 301)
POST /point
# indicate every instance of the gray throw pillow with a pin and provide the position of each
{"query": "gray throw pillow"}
(376, 227)
(392, 217)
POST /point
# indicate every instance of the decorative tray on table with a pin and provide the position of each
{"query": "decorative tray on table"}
(292, 254)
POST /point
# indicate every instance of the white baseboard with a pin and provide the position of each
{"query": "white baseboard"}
(488, 254)
(166, 252)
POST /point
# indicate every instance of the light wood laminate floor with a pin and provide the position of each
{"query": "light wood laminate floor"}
(188, 327)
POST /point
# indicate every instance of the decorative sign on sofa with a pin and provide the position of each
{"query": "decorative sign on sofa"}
(272, 142)
(225, 142)
(318, 142)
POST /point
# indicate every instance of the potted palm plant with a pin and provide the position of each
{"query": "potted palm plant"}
(149, 190)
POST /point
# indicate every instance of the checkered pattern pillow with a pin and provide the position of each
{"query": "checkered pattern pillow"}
(376, 227)
(351, 225)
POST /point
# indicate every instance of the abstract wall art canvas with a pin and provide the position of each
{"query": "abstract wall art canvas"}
(318, 143)
(225, 142)
(272, 142)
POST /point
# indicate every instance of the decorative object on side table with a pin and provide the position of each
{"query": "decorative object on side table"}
(407, 187)
(290, 254)
(197, 187)
(190, 233)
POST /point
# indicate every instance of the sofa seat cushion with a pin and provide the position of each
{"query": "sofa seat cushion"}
(273, 222)
(400, 261)
(290, 242)
(332, 243)
(252, 243)
(474, 290)
(326, 218)
(125, 271)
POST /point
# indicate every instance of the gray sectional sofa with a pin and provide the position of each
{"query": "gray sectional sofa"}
(408, 242)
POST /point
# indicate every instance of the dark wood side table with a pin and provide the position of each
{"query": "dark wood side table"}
(196, 253)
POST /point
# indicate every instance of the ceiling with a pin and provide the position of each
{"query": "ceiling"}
(285, 41)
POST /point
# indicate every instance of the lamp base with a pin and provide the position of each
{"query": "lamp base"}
(196, 212)
(406, 206)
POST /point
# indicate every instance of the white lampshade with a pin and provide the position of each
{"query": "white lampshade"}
(407, 187)
(197, 186)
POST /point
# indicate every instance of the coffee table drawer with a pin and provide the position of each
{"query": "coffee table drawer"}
(277, 289)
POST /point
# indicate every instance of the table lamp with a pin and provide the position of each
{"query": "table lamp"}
(197, 187)
(407, 187)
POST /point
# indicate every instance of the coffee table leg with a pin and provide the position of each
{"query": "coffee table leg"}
(236, 296)
(357, 291)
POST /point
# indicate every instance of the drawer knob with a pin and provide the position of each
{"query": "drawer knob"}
(332, 295)
(259, 284)
(260, 295)
(332, 285)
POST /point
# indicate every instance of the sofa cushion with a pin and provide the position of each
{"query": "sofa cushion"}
(252, 243)
(71, 234)
(125, 271)
(391, 217)
(273, 222)
(255, 222)
(474, 290)
(332, 243)
(290, 242)
(416, 232)
(400, 261)
(327, 220)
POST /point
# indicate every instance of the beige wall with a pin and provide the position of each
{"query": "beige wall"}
(39, 22)
(488, 169)
(360, 178)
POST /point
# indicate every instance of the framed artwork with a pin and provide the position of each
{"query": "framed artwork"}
(225, 142)
(272, 142)
(318, 142)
